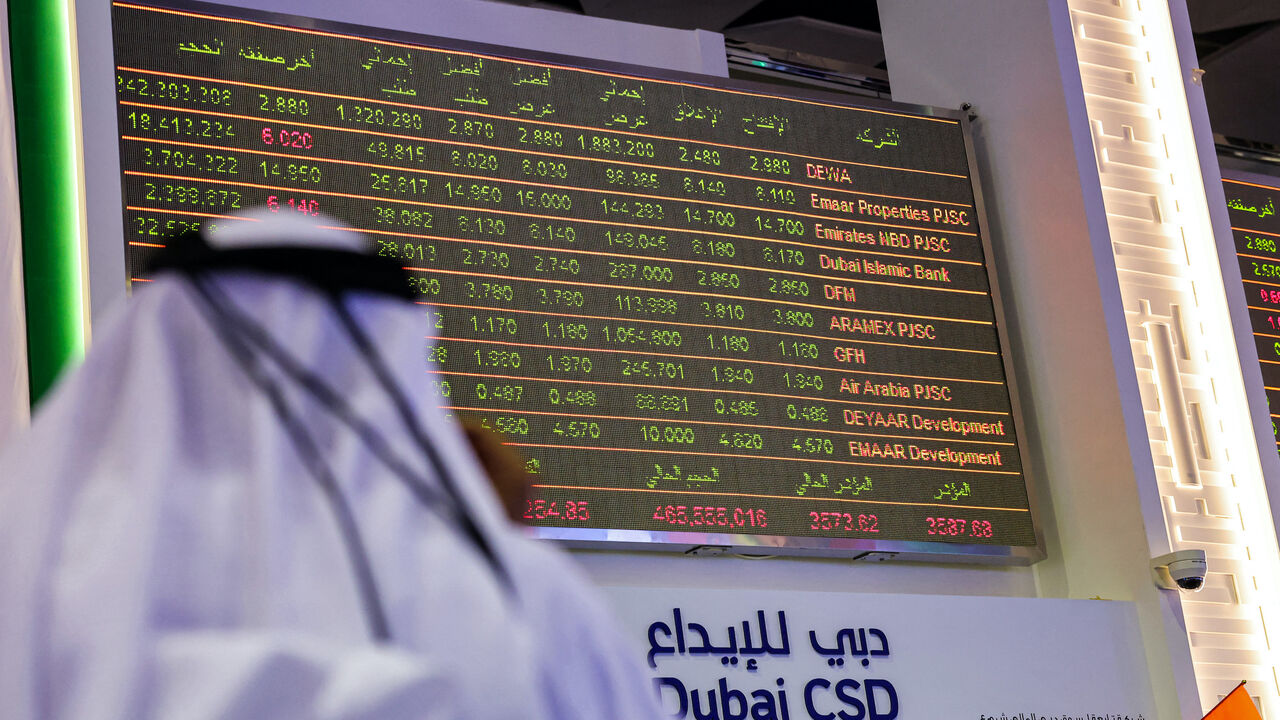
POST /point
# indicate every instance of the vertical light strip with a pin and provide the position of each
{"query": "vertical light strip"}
(40, 45)
(1180, 334)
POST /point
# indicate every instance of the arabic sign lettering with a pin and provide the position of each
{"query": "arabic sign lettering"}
(733, 655)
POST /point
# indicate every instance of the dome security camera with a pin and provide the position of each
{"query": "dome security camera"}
(1181, 570)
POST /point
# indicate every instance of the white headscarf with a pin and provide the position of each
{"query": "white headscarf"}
(165, 551)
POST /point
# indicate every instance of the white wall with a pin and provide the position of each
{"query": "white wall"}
(1015, 62)
(14, 399)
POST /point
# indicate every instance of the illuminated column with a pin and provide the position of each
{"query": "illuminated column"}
(1198, 424)
(49, 176)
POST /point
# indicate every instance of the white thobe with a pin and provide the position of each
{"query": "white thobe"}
(165, 554)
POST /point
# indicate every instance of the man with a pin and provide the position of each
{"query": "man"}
(244, 505)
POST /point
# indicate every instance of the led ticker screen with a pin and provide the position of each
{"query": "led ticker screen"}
(693, 308)
(1256, 231)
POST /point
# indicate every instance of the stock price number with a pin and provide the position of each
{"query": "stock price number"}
(536, 136)
(637, 210)
(284, 104)
(187, 160)
(700, 156)
(649, 305)
(569, 364)
(190, 195)
(717, 279)
(300, 205)
(813, 445)
(729, 343)
(1265, 269)
(507, 425)
(738, 408)
(400, 184)
(573, 397)
(198, 127)
(668, 434)
(482, 225)
(648, 273)
(639, 336)
(785, 286)
(291, 172)
(378, 116)
(425, 285)
(711, 515)
(795, 348)
(398, 151)
(499, 393)
(742, 440)
(732, 375)
(723, 311)
(167, 227)
(553, 233)
(659, 369)
(489, 291)
(843, 521)
(557, 296)
(771, 194)
(703, 186)
(1258, 243)
(507, 359)
(173, 90)
(614, 146)
(631, 178)
(959, 527)
(550, 510)
(780, 226)
(782, 256)
(544, 168)
(484, 257)
(565, 330)
(770, 165)
(472, 192)
(494, 324)
(713, 248)
(408, 218)
(577, 429)
(407, 250)
(470, 128)
(553, 264)
(635, 241)
(709, 217)
(474, 161)
(289, 138)
(811, 413)
(802, 381)
(662, 403)
(793, 318)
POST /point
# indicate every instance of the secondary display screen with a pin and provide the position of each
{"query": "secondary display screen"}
(695, 306)
(1256, 230)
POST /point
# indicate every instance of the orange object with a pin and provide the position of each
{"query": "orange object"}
(1237, 705)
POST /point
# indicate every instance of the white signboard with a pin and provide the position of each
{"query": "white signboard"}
(739, 655)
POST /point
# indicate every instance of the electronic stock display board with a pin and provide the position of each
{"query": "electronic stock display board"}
(705, 313)
(1255, 228)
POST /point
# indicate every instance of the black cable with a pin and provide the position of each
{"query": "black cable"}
(337, 405)
(452, 507)
(410, 420)
(310, 456)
